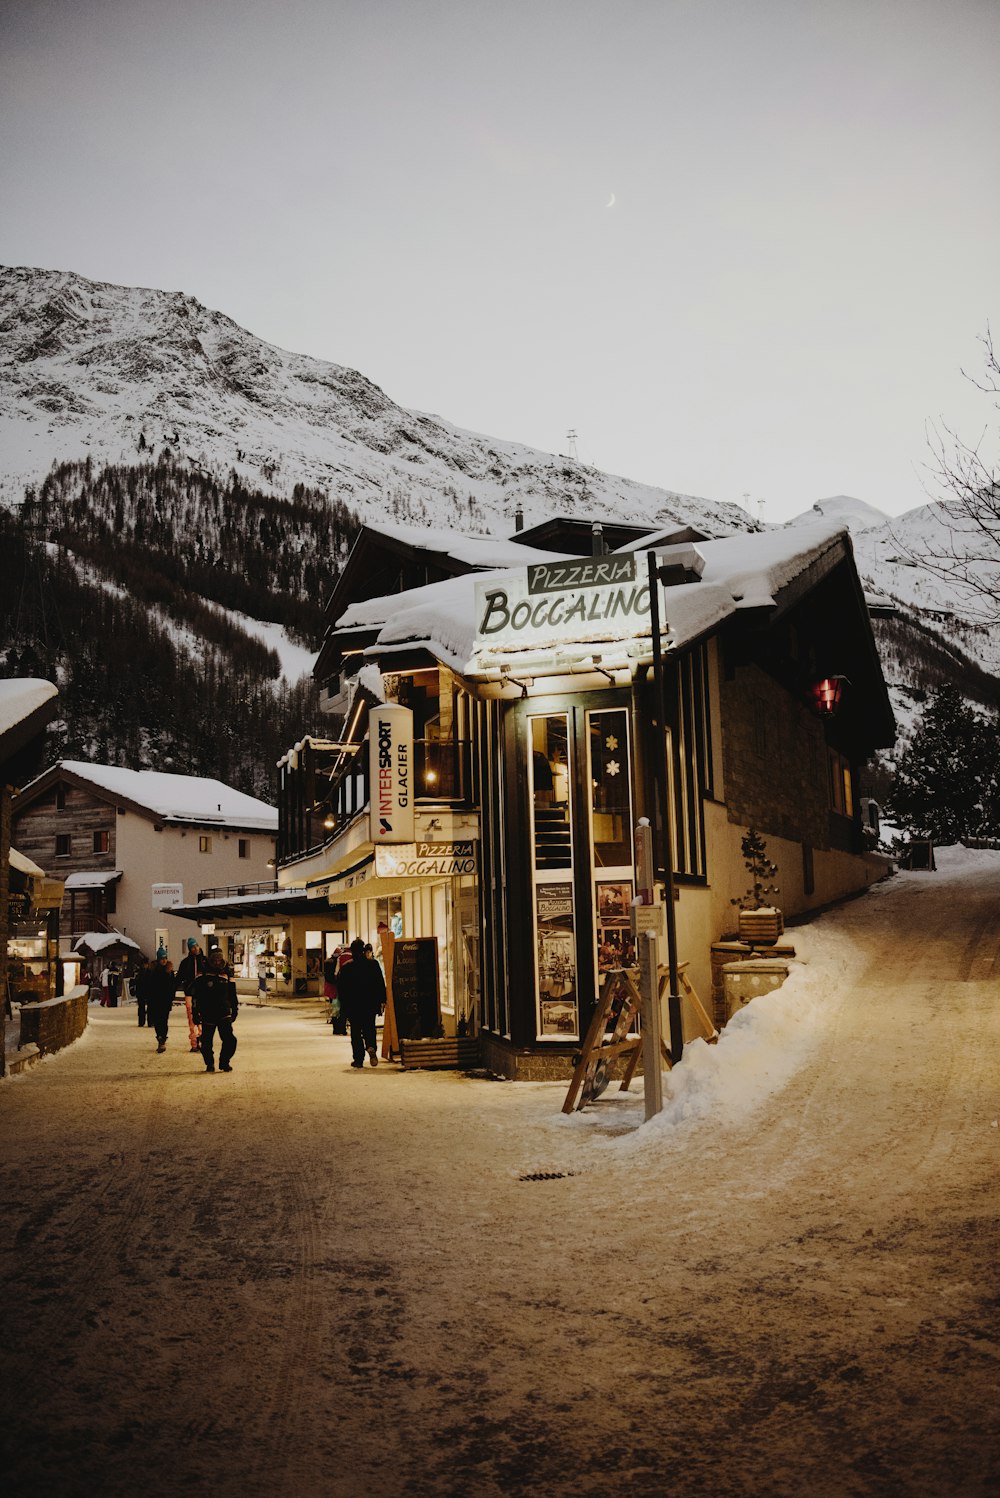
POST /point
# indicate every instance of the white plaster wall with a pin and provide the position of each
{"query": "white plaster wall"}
(706, 915)
(147, 857)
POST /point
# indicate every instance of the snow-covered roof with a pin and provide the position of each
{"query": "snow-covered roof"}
(217, 902)
(178, 798)
(743, 571)
(25, 865)
(20, 696)
(92, 879)
(98, 941)
(474, 551)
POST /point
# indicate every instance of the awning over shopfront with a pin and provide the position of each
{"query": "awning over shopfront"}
(277, 905)
(25, 865)
(401, 867)
(92, 879)
(30, 887)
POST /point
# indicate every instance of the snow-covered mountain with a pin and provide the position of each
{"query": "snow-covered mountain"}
(927, 628)
(857, 514)
(119, 372)
(888, 551)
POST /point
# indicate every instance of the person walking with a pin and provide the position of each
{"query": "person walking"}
(192, 966)
(215, 1006)
(114, 983)
(140, 987)
(362, 994)
(161, 984)
(331, 970)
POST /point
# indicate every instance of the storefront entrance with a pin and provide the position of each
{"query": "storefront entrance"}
(576, 841)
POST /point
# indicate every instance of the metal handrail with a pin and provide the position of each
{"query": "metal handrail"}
(230, 891)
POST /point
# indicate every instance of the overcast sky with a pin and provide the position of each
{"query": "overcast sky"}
(741, 247)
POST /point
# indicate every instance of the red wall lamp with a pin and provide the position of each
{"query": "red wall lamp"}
(827, 695)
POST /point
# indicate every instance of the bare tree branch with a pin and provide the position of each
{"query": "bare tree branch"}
(964, 485)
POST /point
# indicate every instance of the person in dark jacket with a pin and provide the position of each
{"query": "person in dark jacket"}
(140, 987)
(214, 1006)
(160, 985)
(115, 983)
(331, 969)
(361, 988)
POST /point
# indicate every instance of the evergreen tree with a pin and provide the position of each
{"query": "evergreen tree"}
(947, 783)
(120, 613)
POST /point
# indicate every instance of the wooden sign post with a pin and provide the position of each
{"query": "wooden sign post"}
(649, 984)
(390, 1035)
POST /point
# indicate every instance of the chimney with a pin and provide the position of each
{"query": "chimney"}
(518, 520)
(597, 539)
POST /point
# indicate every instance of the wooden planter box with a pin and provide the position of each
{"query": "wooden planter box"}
(761, 928)
(450, 1053)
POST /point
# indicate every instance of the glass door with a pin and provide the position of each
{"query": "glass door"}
(611, 819)
(552, 862)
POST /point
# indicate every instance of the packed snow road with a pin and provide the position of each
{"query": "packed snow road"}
(303, 1280)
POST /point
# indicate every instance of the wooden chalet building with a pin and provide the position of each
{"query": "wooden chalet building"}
(129, 843)
(532, 698)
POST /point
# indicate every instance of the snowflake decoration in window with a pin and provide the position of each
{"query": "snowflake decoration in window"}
(611, 742)
(612, 767)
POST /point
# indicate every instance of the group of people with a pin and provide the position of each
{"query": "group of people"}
(353, 982)
(355, 988)
(111, 982)
(210, 999)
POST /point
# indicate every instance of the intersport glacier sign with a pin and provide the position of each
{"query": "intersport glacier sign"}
(390, 771)
(559, 600)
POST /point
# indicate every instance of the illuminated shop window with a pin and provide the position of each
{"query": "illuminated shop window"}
(552, 861)
(611, 819)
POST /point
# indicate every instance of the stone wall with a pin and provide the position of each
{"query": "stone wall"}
(55, 1022)
(774, 754)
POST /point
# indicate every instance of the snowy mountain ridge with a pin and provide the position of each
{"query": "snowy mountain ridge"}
(120, 372)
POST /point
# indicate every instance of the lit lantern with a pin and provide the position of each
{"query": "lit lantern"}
(827, 695)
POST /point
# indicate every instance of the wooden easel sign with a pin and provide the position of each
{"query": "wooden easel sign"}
(618, 1006)
(590, 1075)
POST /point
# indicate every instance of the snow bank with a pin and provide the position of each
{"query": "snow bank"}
(767, 1042)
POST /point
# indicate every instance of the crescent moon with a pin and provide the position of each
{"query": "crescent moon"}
(611, 201)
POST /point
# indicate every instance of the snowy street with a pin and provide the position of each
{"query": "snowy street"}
(301, 1280)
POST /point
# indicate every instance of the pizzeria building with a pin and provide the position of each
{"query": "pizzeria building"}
(503, 714)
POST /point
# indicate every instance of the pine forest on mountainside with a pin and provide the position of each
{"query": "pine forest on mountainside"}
(125, 584)
(118, 582)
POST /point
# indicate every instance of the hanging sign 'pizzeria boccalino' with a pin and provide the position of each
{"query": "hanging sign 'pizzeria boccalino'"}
(390, 768)
(426, 858)
(562, 600)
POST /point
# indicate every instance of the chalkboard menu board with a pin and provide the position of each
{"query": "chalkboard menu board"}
(415, 998)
